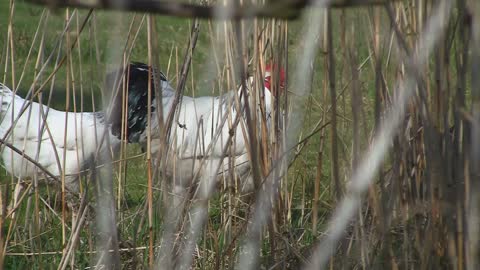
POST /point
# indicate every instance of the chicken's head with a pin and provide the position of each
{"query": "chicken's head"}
(274, 74)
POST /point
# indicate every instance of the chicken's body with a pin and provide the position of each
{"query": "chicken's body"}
(200, 130)
(204, 133)
(58, 141)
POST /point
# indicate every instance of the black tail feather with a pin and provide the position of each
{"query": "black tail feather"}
(137, 78)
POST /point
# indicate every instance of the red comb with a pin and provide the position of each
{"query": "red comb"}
(269, 69)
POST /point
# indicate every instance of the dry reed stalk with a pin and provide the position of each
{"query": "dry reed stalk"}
(68, 250)
(459, 145)
(362, 177)
(122, 169)
(11, 48)
(149, 155)
(472, 192)
(356, 108)
(333, 100)
(67, 107)
(319, 171)
(3, 209)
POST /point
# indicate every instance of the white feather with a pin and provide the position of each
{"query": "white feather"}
(56, 140)
(199, 120)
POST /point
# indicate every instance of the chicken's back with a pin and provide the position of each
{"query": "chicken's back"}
(54, 139)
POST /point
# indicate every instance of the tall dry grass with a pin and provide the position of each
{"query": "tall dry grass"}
(370, 162)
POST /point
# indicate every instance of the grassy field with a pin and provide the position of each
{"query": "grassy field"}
(388, 231)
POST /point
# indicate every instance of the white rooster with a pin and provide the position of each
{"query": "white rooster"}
(40, 141)
(193, 135)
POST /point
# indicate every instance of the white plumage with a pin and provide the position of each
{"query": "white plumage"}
(204, 127)
(57, 140)
(193, 135)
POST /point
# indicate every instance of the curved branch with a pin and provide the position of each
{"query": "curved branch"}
(286, 9)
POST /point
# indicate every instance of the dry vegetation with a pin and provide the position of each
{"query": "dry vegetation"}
(376, 167)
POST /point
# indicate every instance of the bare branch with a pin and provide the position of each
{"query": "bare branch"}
(287, 9)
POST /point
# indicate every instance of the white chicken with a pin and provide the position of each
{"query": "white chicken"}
(57, 141)
(193, 136)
